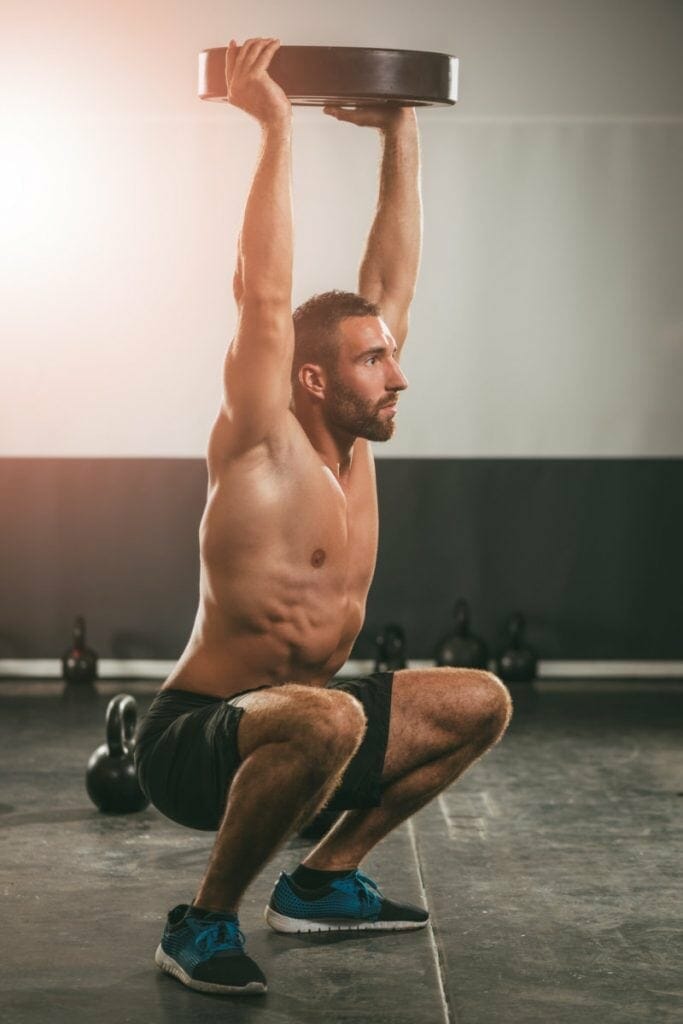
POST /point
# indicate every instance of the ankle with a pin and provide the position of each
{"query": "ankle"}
(315, 878)
(201, 912)
(208, 905)
(340, 865)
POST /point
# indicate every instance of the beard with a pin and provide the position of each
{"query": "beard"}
(347, 411)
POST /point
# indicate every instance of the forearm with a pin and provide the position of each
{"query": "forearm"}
(392, 255)
(266, 238)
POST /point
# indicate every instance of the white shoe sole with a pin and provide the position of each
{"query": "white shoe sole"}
(299, 926)
(169, 966)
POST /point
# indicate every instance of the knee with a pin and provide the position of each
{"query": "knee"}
(333, 727)
(492, 706)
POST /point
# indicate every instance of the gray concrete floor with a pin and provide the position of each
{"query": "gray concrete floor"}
(552, 871)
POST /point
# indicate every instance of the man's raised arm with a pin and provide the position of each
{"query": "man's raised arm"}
(258, 362)
(389, 267)
(265, 244)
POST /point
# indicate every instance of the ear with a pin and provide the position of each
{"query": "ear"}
(312, 379)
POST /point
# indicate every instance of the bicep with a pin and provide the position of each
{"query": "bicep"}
(257, 369)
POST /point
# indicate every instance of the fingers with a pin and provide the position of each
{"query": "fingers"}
(249, 85)
(255, 55)
(230, 58)
(345, 114)
(367, 116)
(235, 56)
(249, 51)
(264, 58)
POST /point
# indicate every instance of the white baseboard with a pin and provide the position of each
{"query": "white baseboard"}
(110, 668)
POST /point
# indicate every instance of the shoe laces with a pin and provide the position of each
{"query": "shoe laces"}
(217, 936)
(368, 882)
(364, 887)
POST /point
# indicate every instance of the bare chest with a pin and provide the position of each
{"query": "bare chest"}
(291, 521)
(333, 526)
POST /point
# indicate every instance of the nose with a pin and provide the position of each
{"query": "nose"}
(398, 381)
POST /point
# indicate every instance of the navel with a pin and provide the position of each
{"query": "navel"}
(318, 558)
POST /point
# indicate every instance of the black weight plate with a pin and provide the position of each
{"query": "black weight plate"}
(347, 76)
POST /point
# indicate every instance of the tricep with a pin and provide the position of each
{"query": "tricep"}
(257, 369)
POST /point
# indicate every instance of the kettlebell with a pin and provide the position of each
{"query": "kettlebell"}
(110, 777)
(391, 649)
(79, 662)
(517, 663)
(461, 648)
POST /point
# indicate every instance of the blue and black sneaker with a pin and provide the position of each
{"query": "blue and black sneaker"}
(351, 903)
(205, 950)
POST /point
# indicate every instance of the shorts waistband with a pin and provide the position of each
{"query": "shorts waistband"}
(176, 695)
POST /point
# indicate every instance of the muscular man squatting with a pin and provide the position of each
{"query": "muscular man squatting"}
(251, 735)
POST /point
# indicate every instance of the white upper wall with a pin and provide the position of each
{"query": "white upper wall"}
(548, 319)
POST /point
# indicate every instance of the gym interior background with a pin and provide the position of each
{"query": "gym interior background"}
(537, 460)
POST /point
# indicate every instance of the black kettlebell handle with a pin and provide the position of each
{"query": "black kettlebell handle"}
(122, 718)
(79, 634)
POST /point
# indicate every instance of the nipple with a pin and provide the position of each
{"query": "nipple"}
(317, 558)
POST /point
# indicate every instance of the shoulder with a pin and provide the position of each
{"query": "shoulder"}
(226, 446)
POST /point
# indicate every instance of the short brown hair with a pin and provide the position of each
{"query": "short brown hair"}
(316, 326)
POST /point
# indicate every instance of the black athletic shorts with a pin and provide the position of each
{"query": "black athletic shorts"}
(186, 751)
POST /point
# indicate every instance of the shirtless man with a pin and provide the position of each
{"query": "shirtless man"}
(251, 735)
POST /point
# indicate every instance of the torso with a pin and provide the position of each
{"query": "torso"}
(287, 557)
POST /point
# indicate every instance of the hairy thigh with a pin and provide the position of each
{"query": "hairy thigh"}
(293, 713)
(436, 711)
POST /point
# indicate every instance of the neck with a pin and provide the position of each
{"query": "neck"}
(335, 447)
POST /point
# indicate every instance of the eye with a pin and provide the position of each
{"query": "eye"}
(372, 359)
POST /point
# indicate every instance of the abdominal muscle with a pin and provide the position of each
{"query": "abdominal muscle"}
(285, 571)
(223, 661)
(252, 641)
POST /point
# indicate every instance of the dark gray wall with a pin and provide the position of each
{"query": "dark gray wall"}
(590, 550)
